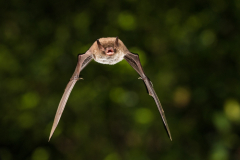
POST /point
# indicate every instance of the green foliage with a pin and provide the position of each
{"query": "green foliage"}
(189, 50)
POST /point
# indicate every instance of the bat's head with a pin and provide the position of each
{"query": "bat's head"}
(109, 50)
(108, 47)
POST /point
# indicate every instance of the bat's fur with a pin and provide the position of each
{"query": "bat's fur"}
(100, 56)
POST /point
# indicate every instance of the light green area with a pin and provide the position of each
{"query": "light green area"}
(40, 154)
(112, 156)
(232, 109)
(143, 116)
(127, 21)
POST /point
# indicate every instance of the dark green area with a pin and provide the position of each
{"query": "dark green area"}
(189, 50)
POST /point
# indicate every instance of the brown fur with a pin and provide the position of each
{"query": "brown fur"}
(100, 57)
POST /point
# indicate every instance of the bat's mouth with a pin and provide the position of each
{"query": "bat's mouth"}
(109, 51)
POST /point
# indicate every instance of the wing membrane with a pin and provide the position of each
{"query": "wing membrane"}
(134, 61)
(83, 60)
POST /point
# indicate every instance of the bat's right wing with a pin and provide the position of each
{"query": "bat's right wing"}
(83, 60)
(134, 61)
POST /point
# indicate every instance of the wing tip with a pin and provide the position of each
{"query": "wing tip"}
(167, 130)
(170, 136)
(50, 135)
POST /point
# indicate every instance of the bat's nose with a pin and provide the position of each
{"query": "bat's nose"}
(109, 51)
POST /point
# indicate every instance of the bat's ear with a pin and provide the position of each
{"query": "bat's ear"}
(100, 45)
(116, 43)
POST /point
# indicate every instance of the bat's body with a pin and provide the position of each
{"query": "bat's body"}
(107, 51)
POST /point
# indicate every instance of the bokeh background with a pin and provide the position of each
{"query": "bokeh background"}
(189, 50)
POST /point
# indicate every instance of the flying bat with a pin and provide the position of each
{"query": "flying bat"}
(110, 51)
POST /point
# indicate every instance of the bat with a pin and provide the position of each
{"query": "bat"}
(110, 51)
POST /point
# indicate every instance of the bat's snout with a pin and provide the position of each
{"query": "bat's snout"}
(109, 51)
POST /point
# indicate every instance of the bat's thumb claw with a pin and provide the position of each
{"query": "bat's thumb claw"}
(76, 78)
(140, 78)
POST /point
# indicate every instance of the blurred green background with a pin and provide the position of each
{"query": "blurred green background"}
(189, 50)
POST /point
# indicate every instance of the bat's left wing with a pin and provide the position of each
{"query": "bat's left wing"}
(134, 61)
(83, 60)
